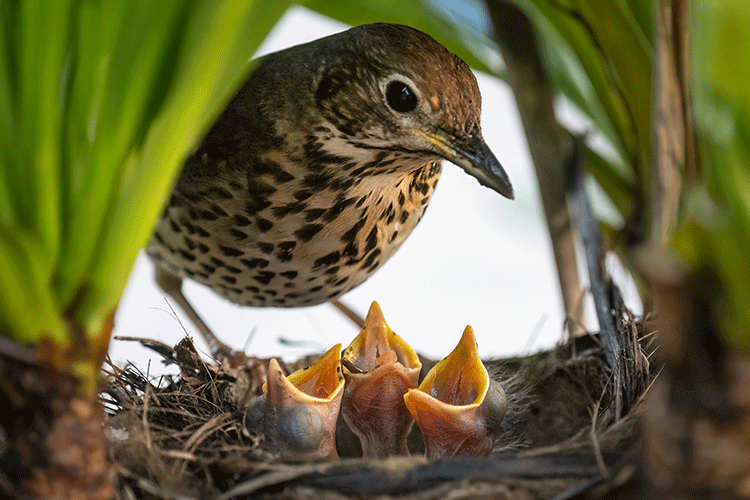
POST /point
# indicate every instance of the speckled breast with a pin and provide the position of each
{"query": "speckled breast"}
(297, 241)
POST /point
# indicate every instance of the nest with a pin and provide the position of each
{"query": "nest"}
(183, 436)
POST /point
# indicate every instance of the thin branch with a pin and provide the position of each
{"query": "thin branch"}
(547, 140)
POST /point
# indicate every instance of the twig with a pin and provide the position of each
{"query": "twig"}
(595, 440)
(16, 351)
(349, 313)
(270, 479)
(527, 77)
(144, 420)
(160, 492)
(600, 285)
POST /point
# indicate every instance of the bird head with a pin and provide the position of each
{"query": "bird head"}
(393, 88)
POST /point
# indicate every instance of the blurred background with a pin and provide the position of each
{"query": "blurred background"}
(475, 258)
(101, 101)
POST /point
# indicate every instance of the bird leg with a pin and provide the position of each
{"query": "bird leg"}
(171, 284)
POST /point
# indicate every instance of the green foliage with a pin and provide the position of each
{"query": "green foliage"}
(715, 235)
(599, 55)
(100, 101)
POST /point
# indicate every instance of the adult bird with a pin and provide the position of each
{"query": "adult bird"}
(319, 168)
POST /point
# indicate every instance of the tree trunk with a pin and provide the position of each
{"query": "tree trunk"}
(53, 446)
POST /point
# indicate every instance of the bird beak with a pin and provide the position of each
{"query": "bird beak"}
(297, 414)
(473, 155)
(458, 407)
(379, 367)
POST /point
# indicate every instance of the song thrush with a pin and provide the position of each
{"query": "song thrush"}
(319, 168)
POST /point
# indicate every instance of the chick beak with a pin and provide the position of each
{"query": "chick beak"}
(379, 367)
(458, 407)
(297, 413)
(472, 154)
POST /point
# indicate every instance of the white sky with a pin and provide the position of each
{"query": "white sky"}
(475, 258)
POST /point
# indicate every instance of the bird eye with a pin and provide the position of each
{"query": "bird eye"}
(400, 97)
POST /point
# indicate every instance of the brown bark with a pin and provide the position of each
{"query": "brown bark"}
(696, 429)
(53, 421)
(77, 466)
(674, 149)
